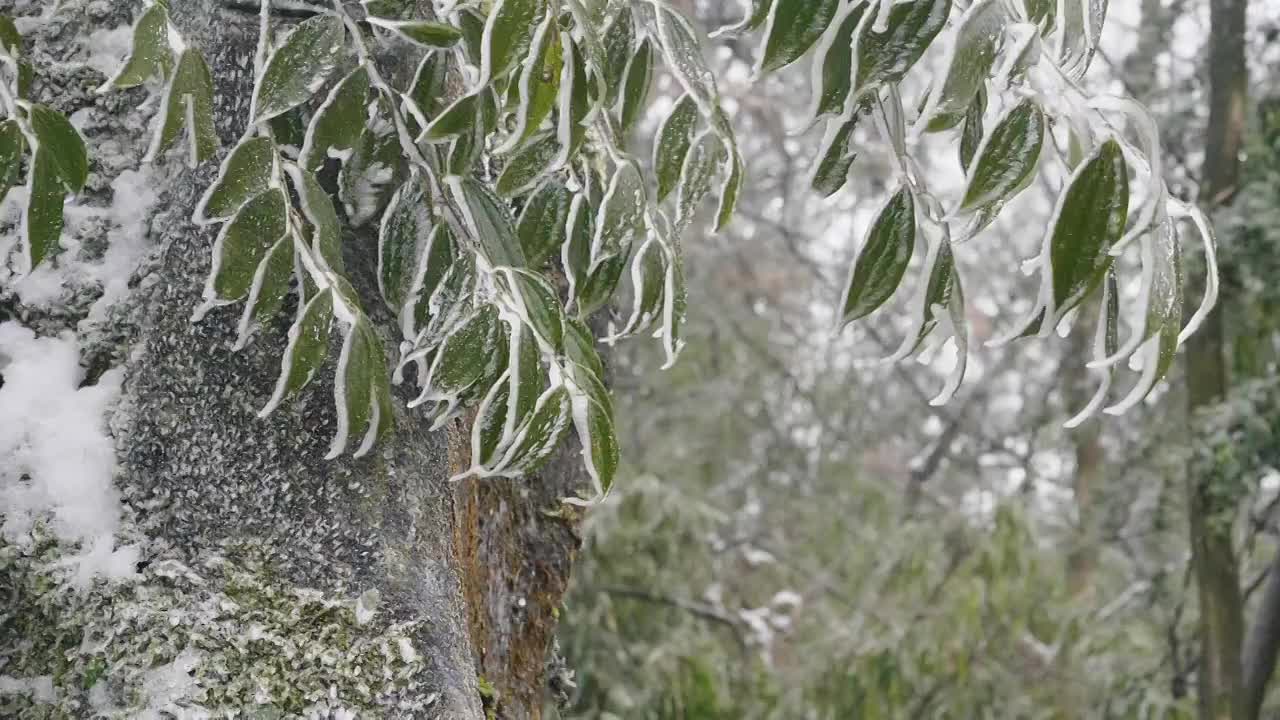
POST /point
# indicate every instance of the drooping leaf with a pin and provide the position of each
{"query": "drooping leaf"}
(755, 17)
(682, 51)
(575, 254)
(487, 436)
(13, 146)
(699, 169)
(306, 350)
(303, 62)
(593, 419)
(428, 91)
(358, 389)
(46, 194)
(675, 304)
(270, 285)
(833, 68)
(885, 57)
(635, 91)
(337, 124)
(151, 56)
(459, 118)
(1007, 159)
(1091, 217)
(539, 83)
(464, 357)
(579, 347)
(471, 23)
(489, 221)
(65, 145)
(421, 32)
(243, 243)
(972, 133)
(601, 281)
(621, 215)
(543, 221)
(972, 58)
(508, 33)
(317, 208)
(528, 164)
(540, 434)
(539, 307)
(883, 259)
(836, 157)
(574, 101)
(375, 168)
(406, 223)
(619, 39)
(245, 173)
(648, 276)
(793, 27)
(188, 97)
(675, 136)
(433, 263)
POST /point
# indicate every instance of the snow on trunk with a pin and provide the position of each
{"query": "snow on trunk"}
(168, 553)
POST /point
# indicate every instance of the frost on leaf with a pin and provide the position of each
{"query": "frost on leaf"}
(46, 193)
(337, 124)
(406, 222)
(885, 57)
(1007, 158)
(305, 353)
(619, 37)
(298, 68)
(360, 390)
(793, 28)
(883, 259)
(538, 84)
(64, 144)
(543, 221)
(187, 103)
(421, 32)
(318, 209)
(489, 222)
(508, 32)
(270, 285)
(247, 171)
(528, 164)
(700, 167)
(675, 136)
(1090, 219)
(242, 245)
(13, 146)
(433, 263)
(635, 91)
(972, 57)
(621, 215)
(151, 56)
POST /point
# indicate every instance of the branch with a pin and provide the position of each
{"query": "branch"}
(698, 610)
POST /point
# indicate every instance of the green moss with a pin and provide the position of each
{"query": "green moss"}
(228, 635)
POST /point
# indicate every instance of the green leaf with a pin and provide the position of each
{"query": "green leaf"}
(621, 215)
(151, 56)
(635, 93)
(450, 306)
(886, 57)
(883, 260)
(699, 169)
(648, 276)
(972, 57)
(539, 83)
(836, 157)
(527, 166)
(528, 381)
(1091, 217)
(731, 188)
(593, 419)
(13, 146)
(433, 264)
(270, 285)
(682, 51)
(1042, 12)
(66, 146)
(428, 90)
(472, 22)
(540, 434)
(459, 118)
(487, 432)
(245, 173)
(575, 254)
(675, 304)
(574, 101)
(243, 243)
(539, 307)
(308, 345)
(10, 38)
(1007, 159)
(794, 26)
(356, 389)
(421, 32)
(336, 126)
(188, 95)
(675, 137)
(619, 38)
(407, 221)
(375, 168)
(464, 357)
(317, 208)
(833, 72)
(579, 346)
(489, 221)
(543, 221)
(598, 289)
(508, 33)
(302, 63)
(46, 194)
(972, 133)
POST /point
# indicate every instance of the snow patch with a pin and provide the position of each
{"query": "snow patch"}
(40, 687)
(109, 49)
(56, 459)
(169, 684)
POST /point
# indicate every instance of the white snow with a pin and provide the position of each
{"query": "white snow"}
(168, 684)
(109, 49)
(56, 459)
(39, 687)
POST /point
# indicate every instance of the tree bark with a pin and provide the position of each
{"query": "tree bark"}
(1213, 558)
(279, 583)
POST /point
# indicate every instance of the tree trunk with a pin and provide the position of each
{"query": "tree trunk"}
(267, 579)
(1211, 514)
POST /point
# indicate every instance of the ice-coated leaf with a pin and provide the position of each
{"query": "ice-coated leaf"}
(13, 146)
(699, 169)
(754, 18)
(421, 32)
(836, 157)
(542, 224)
(883, 259)
(317, 208)
(1007, 159)
(458, 118)
(619, 40)
(245, 173)
(359, 390)
(392, 9)
(598, 288)
(675, 136)
(46, 194)
(675, 304)
(833, 67)
(539, 307)
(433, 263)
(621, 214)
(337, 124)
(464, 357)
(244, 242)
(972, 57)
(151, 56)
(731, 188)
(471, 23)
(575, 254)
(528, 164)
(1042, 12)
(406, 223)
(64, 144)
(579, 347)
(528, 381)
(885, 57)
(449, 306)
(289, 130)
(10, 38)
(648, 276)
(972, 133)
(270, 285)
(188, 102)
(539, 83)
(368, 177)
(682, 51)
(489, 221)
(298, 68)
(793, 27)
(305, 353)
(508, 33)
(428, 90)
(540, 434)
(1091, 217)
(635, 91)
(487, 432)
(593, 419)
(574, 101)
